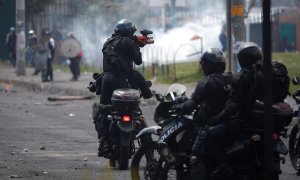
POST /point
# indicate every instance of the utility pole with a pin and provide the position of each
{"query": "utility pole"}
(268, 123)
(229, 36)
(20, 30)
(238, 24)
(173, 12)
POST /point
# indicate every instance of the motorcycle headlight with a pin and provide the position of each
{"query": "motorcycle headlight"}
(165, 152)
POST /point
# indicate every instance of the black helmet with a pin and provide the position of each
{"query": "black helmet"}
(248, 54)
(212, 61)
(125, 28)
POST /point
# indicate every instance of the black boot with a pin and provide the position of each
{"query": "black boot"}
(103, 147)
(222, 171)
(198, 146)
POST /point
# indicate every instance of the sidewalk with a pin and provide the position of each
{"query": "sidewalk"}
(62, 83)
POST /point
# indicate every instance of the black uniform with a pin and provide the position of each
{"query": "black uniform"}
(116, 66)
(209, 99)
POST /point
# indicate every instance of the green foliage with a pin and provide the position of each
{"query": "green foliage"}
(292, 62)
(190, 72)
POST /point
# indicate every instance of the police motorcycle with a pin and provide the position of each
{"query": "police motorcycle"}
(126, 120)
(144, 161)
(294, 139)
(177, 132)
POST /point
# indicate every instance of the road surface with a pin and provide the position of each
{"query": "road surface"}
(57, 140)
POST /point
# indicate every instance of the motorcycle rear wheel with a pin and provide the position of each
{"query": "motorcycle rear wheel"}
(112, 163)
(123, 159)
(294, 147)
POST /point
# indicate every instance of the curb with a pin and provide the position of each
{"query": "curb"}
(52, 89)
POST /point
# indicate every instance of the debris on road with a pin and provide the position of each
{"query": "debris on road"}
(14, 153)
(7, 86)
(70, 98)
(55, 104)
(72, 115)
(15, 176)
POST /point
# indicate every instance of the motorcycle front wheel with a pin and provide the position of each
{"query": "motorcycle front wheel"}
(294, 147)
(144, 162)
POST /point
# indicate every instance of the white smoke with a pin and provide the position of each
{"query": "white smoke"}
(177, 44)
(174, 44)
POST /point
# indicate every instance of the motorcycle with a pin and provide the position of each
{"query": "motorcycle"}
(294, 139)
(125, 121)
(144, 161)
(169, 156)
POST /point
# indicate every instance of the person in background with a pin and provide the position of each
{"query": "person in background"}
(43, 52)
(51, 44)
(223, 38)
(31, 49)
(75, 61)
(11, 42)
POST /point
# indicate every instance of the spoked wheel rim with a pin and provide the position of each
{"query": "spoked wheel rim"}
(149, 170)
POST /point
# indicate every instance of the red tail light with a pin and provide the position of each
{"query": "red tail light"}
(275, 136)
(126, 118)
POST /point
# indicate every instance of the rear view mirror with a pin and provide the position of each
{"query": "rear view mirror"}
(158, 97)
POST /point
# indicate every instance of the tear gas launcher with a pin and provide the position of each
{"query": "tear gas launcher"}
(144, 39)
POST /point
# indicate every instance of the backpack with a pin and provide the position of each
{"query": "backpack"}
(114, 60)
(281, 81)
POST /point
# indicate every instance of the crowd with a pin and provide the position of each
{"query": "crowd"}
(40, 53)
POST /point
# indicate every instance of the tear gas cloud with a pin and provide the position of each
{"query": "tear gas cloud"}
(173, 44)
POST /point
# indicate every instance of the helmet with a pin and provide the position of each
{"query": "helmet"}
(125, 28)
(31, 31)
(12, 29)
(212, 61)
(248, 54)
(71, 35)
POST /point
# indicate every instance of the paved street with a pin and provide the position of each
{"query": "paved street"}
(56, 140)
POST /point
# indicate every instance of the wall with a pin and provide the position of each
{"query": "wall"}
(7, 19)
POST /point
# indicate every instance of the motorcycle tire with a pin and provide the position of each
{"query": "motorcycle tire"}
(294, 146)
(123, 159)
(144, 151)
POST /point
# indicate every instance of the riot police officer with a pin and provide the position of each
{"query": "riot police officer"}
(209, 99)
(247, 86)
(120, 53)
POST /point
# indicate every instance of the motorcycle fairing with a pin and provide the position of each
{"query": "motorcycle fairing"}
(174, 127)
(149, 130)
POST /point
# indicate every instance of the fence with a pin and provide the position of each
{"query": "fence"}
(171, 62)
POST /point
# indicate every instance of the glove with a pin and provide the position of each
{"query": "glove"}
(176, 108)
(181, 99)
(143, 40)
